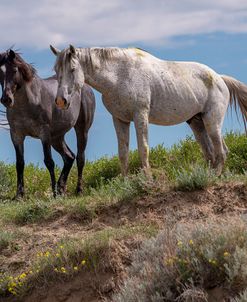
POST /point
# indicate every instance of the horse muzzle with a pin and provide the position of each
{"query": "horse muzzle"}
(7, 101)
(61, 103)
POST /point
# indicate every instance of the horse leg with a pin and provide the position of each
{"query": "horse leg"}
(81, 136)
(49, 163)
(122, 130)
(198, 128)
(68, 158)
(141, 126)
(18, 143)
(213, 120)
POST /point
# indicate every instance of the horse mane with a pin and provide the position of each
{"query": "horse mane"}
(27, 70)
(100, 54)
(106, 54)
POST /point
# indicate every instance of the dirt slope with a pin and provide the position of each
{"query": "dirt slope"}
(161, 209)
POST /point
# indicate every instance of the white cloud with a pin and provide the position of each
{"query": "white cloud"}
(115, 22)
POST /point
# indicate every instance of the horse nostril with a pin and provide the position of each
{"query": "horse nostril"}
(61, 102)
(7, 101)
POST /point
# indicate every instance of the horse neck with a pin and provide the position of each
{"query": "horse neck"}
(30, 91)
(100, 75)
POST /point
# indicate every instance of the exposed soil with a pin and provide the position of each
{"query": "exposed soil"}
(161, 208)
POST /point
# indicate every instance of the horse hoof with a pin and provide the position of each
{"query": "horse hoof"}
(78, 191)
(18, 196)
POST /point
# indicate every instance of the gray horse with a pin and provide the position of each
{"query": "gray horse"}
(139, 87)
(31, 112)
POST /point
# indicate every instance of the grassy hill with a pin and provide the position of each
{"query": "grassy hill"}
(179, 235)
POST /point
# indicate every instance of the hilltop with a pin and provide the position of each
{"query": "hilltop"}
(83, 248)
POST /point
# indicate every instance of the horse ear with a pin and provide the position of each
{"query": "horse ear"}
(72, 49)
(56, 51)
(11, 55)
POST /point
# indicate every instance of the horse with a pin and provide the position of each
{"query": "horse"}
(31, 112)
(138, 87)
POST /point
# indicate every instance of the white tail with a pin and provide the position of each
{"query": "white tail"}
(238, 96)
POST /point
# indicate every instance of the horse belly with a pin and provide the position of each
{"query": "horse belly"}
(171, 113)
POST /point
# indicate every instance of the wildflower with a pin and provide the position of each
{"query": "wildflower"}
(22, 276)
(226, 254)
(169, 261)
(61, 246)
(63, 270)
(191, 242)
(55, 269)
(47, 254)
(40, 254)
(75, 268)
(58, 255)
(212, 261)
(180, 243)
(83, 262)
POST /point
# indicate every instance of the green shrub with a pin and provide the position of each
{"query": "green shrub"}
(180, 157)
(6, 239)
(188, 262)
(237, 157)
(195, 177)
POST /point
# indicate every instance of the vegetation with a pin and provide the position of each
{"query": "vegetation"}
(181, 264)
(184, 264)
(174, 161)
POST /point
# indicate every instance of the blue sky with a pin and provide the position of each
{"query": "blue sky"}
(211, 33)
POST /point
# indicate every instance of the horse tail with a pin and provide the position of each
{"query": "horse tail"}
(238, 96)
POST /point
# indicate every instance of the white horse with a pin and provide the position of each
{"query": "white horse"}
(139, 87)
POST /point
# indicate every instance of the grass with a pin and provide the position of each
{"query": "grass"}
(184, 264)
(7, 239)
(68, 258)
(195, 177)
(178, 158)
(26, 212)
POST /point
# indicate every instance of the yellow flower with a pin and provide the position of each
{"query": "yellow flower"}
(58, 255)
(191, 242)
(212, 261)
(55, 269)
(180, 243)
(47, 254)
(22, 276)
(61, 246)
(63, 270)
(169, 261)
(75, 268)
(40, 254)
(83, 262)
(226, 254)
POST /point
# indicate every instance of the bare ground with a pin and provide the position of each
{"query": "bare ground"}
(161, 209)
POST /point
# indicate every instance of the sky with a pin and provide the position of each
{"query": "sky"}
(209, 32)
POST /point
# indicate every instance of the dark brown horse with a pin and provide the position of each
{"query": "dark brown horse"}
(31, 112)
